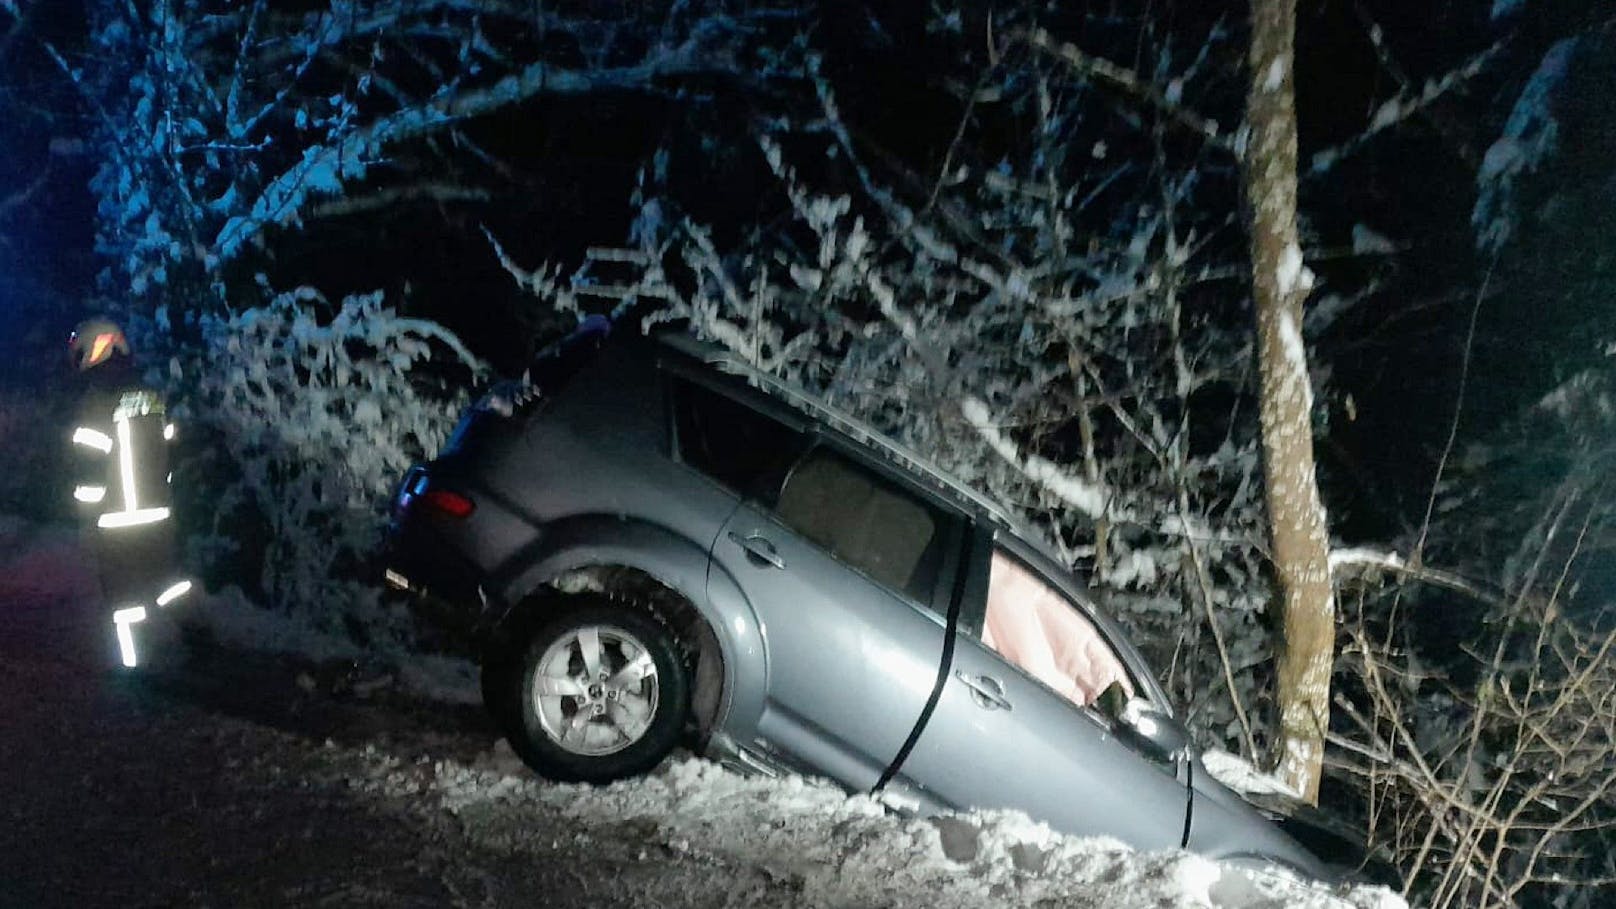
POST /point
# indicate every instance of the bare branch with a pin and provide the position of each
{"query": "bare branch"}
(1129, 83)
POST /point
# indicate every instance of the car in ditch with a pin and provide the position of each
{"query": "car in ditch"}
(656, 544)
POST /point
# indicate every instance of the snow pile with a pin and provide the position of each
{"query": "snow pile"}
(1242, 776)
(447, 680)
(831, 849)
(238, 622)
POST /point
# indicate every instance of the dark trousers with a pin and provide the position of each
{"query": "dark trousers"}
(136, 563)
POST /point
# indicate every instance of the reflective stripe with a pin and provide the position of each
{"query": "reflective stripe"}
(173, 593)
(89, 494)
(123, 618)
(115, 519)
(126, 465)
(93, 438)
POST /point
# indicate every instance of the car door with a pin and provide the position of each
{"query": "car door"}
(843, 566)
(1032, 737)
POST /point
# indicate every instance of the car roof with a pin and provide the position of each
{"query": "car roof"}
(856, 430)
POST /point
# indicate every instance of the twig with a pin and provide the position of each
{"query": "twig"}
(1458, 410)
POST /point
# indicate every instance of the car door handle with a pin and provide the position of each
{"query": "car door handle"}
(985, 691)
(758, 549)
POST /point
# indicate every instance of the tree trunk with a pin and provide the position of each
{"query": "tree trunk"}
(1295, 514)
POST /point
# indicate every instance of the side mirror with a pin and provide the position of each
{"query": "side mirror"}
(1153, 730)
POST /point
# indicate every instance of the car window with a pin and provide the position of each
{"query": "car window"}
(862, 519)
(732, 443)
(1033, 625)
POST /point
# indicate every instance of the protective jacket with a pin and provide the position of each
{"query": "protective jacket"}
(120, 444)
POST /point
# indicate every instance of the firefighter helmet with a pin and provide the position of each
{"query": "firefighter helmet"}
(96, 341)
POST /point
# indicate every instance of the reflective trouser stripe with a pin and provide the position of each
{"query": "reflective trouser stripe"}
(174, 592)
(113, 520)
(122, 619)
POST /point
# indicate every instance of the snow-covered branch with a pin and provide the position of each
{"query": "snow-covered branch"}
(221, 123)
(1355, 560)
(1402, 106)
(325, 170)
(318, 418)
(1530, 136)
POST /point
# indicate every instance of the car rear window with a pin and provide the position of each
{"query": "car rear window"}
(732, 443)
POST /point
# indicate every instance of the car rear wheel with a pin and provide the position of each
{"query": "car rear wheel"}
(602, 694)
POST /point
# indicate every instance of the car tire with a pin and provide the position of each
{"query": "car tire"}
(600, 694)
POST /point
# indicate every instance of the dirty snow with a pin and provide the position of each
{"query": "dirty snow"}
(237, 621)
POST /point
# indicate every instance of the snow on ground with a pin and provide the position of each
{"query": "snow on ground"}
(837, 850)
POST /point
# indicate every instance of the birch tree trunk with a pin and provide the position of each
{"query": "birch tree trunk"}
(1295, 514)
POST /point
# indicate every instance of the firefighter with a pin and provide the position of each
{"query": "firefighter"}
(120, 443)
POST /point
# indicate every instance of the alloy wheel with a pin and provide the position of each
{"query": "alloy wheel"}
(596, 690)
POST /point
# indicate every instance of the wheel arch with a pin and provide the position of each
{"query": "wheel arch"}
(671, 576)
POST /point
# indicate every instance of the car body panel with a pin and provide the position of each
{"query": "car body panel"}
(1076, 775)
(851, 663)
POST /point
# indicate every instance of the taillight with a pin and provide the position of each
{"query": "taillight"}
(416, 493)
(447, 503)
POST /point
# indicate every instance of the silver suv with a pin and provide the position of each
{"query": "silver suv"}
(657, 544)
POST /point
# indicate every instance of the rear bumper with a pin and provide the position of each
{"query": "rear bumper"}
(426, 560)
